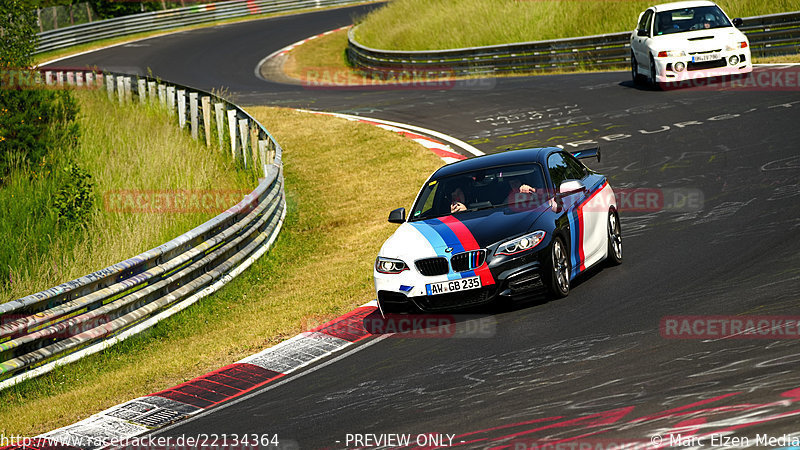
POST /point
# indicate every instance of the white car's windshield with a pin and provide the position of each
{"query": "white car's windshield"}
(689, 19)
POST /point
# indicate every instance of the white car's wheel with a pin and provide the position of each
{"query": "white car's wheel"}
(653, 80)
(634, 69)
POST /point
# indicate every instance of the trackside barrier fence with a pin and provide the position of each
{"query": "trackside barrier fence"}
(172, 18)
(64, 323)
(769, 35)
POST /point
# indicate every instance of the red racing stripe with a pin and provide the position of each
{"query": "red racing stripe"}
(469, 243)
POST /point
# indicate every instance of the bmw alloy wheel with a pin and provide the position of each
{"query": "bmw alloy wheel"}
(614, 239)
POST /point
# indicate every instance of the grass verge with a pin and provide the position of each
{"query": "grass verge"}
(341, 180)
(444, 24)
(153, 155)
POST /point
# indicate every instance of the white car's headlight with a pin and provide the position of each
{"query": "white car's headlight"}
(671, 53)
(521, 243)
(389, 265)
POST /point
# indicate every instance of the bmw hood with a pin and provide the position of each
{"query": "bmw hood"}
(461, 232)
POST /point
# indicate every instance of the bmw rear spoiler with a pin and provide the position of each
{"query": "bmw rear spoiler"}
(587, 153)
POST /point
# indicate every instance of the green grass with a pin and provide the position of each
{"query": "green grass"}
(130, 148)
(445, 24)
(342, 179)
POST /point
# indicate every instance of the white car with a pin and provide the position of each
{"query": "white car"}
(682, 41)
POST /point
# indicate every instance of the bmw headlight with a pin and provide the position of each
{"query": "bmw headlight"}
(521, 243)
(389, 265)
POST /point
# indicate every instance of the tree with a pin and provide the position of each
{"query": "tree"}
(18, 33)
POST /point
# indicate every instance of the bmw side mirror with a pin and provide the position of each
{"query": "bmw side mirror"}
(397, 216)
(570, 187)
(737, 22)
(642, 33)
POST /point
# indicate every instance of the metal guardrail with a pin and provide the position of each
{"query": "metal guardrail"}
(64, 323)
(172, 18)
(775, 34)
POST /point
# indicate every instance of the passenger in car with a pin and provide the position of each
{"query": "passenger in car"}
(520, 192)
(458, 200)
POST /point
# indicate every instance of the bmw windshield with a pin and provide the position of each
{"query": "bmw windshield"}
(493, 187)
(690, 19)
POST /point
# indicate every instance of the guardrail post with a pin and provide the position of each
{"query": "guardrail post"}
(162, 95)
(262, 153)
(121, 88)
(110, 86)
(253, 145)
(270, 151)
(193, 113)
(97, 79)
(181, 108)
(171, 98)
(126, 82)
(219, 114)
(232, 130)
(71, 78)
(142, 85)
(79, 78)
(206, 105)
(244, 136)
(48, 77)
(151, 91)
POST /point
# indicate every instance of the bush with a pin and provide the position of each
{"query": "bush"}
(32, 123)
(74, 200)
(18, 25)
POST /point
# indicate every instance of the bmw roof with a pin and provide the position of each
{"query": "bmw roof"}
(527, 155)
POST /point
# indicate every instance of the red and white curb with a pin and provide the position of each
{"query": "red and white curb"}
(430, 139)
(291, 47)
(121, 424)
(285, 50)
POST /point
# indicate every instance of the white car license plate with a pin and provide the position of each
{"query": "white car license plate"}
(707, 57)
(444, 287)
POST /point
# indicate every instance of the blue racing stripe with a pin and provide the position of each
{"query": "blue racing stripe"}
(431, 236)
(451, 240)
(440, 236)
(447, 234)
(574, 235)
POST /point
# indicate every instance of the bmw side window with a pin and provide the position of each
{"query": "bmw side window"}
(577, 171)
(558, 169)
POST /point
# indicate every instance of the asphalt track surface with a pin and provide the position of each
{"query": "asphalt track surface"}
(593, 368)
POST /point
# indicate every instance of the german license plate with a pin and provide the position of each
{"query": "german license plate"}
(444, 287)
(706, 57)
